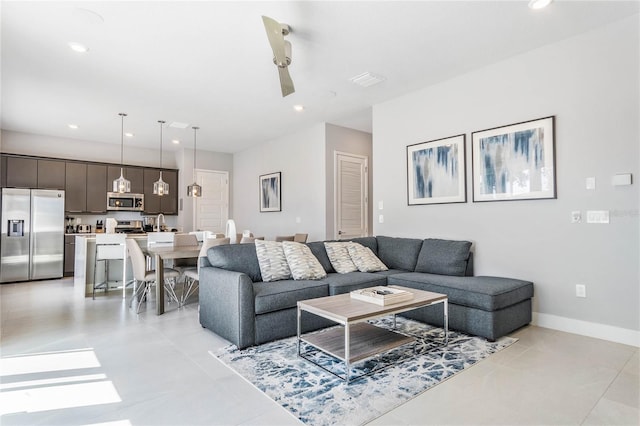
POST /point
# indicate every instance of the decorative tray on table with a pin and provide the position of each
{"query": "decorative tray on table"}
(382, 295)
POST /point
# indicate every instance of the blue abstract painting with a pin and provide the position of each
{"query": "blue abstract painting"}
(436, 171)
(270, 192)
(514, 164)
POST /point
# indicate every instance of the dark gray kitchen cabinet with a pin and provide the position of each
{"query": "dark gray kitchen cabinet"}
(22, 172)
(76, 187)
(69, 254)
(169, 204)
(51, 174)
(3, 171)
(97, 186)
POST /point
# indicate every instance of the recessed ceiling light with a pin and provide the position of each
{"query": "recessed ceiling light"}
(298, 108)
(78, 47)
(72, 126)
(539, 4)
(175, 141)
(129, 135)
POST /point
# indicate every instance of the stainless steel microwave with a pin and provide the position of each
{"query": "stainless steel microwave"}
(125, 202)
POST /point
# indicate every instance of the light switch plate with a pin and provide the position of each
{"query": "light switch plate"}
(381, 218)
(598, 216)
(380, 205)
(591, 183)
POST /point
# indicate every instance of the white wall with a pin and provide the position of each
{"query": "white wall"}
(354, 142)
(300, 158)
(590, 83)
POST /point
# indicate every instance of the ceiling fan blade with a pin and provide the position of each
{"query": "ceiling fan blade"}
(276, 39)
(286, 84)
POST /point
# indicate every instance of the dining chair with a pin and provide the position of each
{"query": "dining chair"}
(246, 240)
(300, 238)
(285, 238)
(184, 240)
(192, 275)
(144, 279)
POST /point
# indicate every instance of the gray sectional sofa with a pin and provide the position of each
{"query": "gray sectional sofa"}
(236, 304)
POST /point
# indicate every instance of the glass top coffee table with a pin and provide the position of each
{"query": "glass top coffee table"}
(358, 340)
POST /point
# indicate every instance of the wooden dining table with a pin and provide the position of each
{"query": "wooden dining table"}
(166, 252)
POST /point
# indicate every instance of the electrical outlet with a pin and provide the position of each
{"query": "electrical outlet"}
(381, 219)
(581, 290)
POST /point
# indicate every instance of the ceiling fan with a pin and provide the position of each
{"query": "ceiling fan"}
(281, 52)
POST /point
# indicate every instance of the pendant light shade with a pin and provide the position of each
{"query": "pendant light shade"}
(121, 184)
(194, 190)
(160, 187)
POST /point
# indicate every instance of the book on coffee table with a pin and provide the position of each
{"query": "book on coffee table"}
(381, 295)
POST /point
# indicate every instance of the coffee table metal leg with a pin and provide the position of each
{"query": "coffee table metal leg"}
(299, 316)
(347, 355)
(446, 322)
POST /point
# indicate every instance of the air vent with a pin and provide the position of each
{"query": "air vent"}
(179, 125)
(367, 79)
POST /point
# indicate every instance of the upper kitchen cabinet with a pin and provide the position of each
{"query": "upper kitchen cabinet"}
(22, 172)
(154, 204)
(51, 174)
(135, 175)
(97, 187)
(76, 187)
(3, 171)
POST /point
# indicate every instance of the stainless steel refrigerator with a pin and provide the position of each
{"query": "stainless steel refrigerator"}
(32, 239)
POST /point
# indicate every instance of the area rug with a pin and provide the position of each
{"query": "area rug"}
(317, 397)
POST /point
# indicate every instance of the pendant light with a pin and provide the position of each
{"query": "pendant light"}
(160, 187)
(194, 190)
(121, 184)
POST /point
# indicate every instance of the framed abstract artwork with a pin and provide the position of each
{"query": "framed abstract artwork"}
(436, 172)
(270, 194)
(515, 162)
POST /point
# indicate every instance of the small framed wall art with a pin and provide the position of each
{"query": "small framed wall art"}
(270, 192)
(515, 162)
(436, 172)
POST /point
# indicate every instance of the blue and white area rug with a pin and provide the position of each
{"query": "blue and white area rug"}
(317, 397)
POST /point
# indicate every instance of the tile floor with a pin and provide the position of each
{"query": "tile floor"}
(103, 364)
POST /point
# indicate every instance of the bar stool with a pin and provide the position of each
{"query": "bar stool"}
(108, 247)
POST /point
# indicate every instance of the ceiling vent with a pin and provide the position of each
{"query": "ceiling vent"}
(178, 125)
(366, 79)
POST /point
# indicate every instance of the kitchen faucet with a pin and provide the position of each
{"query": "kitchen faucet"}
(158, 222)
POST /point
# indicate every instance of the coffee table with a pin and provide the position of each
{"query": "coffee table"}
(358, 340)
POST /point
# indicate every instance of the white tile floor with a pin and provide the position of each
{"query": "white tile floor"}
(145, 369)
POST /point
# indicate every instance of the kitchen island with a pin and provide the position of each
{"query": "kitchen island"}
(84, 264)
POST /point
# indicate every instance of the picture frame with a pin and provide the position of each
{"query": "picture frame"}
(515, 162)
(270, 192)
(436, 171)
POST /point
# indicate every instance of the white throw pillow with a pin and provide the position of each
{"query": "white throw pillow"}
(364, 259)
(339, 256)
(303, 264)
(273, 263)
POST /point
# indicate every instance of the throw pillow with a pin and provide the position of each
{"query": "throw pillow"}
(272, 261)
(364, 259)
(339, 256)
(444, 257)
(303, 264)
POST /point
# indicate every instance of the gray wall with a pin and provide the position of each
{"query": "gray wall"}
(590, 83)
(300, 158)
(353, 142)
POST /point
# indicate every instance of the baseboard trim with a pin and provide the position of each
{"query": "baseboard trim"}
(590, 329)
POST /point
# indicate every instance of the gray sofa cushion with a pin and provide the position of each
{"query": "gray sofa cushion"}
(370, 242)
(236, 257)
(399, 253)
(318, 250)
(486, 293)
(444, 257)
(344, 283)
(285, 294)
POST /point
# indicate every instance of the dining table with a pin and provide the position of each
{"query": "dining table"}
(163, 252)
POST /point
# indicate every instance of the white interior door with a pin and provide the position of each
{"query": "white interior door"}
(211, 211)
(351, 201)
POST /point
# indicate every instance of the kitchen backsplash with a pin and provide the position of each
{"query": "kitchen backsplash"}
(90, 219)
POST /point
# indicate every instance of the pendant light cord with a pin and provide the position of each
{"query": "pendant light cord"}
(161, 123)
(122, 116)
(195, 129)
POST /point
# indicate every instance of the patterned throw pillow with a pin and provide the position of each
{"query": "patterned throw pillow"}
(273, 263)
(339, 256)
(364, 259)
(303, 264)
